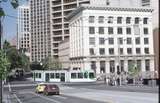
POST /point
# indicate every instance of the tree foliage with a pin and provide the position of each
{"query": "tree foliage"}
(51, 63)
(4, 65)
(133, 70)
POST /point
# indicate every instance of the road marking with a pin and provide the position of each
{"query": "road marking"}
(59, 96)
(19, 101)
(49, 99)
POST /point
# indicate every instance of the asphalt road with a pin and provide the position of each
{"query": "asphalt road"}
(82, 93)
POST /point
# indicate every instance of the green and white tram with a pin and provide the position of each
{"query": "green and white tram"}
(64, 76)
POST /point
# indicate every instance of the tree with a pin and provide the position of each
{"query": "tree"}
(51, 63)
(4, 65)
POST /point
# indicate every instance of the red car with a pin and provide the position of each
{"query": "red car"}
(51, 89)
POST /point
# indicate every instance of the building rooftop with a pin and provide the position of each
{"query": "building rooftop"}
(107, 8)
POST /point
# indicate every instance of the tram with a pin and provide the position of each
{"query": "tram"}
(64, 76)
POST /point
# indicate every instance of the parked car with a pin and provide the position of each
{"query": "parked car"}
(40, 87)
(51, 89)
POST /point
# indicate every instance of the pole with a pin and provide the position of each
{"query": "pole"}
(0, 49)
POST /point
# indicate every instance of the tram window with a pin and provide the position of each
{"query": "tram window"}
(38, 75)
(52, 75)
(85, 75)
(80, 75)
(73, 75)
(91, 75)
(57, 75)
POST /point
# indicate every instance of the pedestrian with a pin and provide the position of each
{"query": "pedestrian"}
(107, 80)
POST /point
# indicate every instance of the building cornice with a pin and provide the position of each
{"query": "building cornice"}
(107, 8)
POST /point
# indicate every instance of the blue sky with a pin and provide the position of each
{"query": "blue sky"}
(9, 23)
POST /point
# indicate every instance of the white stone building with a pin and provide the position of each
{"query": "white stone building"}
(23, 32)
(64, 54)
(111, 39)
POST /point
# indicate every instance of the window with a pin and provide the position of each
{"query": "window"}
(119, 20)
(110, 41)
(138, 50)
(101, 19)
(80, 75)
(57, 75)
(121, 51)
(146, 50)
(119, 31)
(86, 75)
(136, 20)
(147, 64)
(91, 75)
(92, 41)
(136, 30)
(145, 30)
(93, 65)
(73, 75)
(120, 40)
(91, 50)
(139, 64)
(91, 30)
(129, 41)
(129, 50)
(110, 30)
(146, 41)
(51, 75)
(145, 20)
(112, 66)
(128, 20)
(101, 41)
(102, 51)
(91, 19)
(102, 66)
(137, 40)
(101, 30)
(128, 30)
(122, 65)
(111, 50)
(110, 19)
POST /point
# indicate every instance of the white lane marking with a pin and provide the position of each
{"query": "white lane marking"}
(59, 96)
(49, 99)
(19, 101)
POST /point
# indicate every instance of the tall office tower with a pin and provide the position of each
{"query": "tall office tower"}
(23, 34)
(40, 29)
(59, 25)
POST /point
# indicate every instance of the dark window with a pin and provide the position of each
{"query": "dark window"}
(147, 65)
(92, 41)
(120, 41)
(138, 50)
(102, 51)
(91, 30)
(101, 30)
(145, 20)
(136, 20)
(146, 50)
(110, 30)
(101, 19)
(121, 51)
(91, 19)
(112, 66)
(110, 19)
(137, 40)
(119, 20)
(110, 41)
(119, 31)
(80, 75)
(129, 41)
(101, 41)
(145, 30)
(91, 50)
(129, 50)
(51, 75)
(128, 20)
(146, 41)
(128, 30)
(111, 51)
(73, 75)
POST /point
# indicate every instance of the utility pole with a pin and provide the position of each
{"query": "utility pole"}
(1, 84)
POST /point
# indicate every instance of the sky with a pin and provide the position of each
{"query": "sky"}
(10, 23)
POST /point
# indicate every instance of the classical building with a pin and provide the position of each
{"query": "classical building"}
(111, 39)
(23, 32)
(64, 54)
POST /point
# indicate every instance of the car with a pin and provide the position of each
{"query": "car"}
(51, 89)
(40, 87)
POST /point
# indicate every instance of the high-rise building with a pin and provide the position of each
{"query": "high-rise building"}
(40, 29)
(23, 32)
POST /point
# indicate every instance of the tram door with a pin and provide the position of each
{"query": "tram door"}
(47, 77)
(62, 77)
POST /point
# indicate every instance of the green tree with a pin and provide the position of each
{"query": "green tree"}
(51, 63)
(4, 65)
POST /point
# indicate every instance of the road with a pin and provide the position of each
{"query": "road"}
(88, 93)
